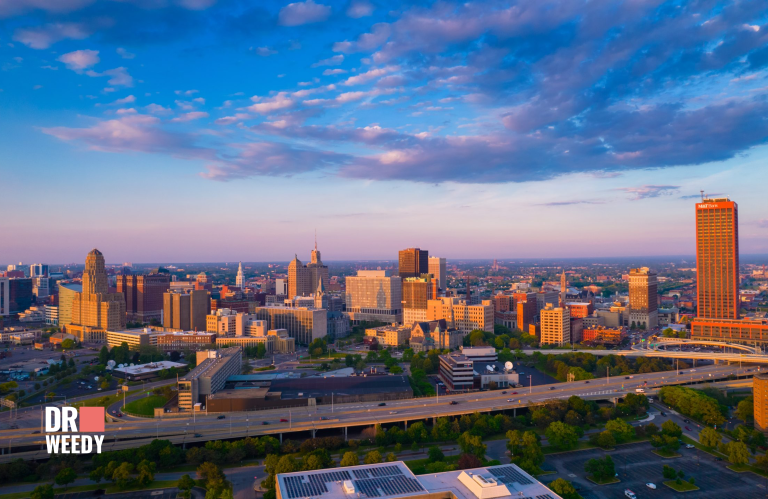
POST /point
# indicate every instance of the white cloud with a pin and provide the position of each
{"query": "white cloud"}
(228, 120)
(80, 59)
(42, 37)
(270, 104)
(157, 109)
(196, 115)
(337, 71)
(331, 61)
(358, 9)
(124, 53)
(296, 14)
(125, 100)
(265, 51)
(119, 76)
(369, 75)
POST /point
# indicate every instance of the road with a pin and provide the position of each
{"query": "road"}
(134, 432)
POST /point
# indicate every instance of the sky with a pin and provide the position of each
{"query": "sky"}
(221, 130)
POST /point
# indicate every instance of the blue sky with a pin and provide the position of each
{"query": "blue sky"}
(200, 130)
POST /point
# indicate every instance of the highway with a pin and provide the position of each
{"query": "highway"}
(132, 432)
(643, 352)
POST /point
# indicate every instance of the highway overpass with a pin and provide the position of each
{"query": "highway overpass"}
(638, 351)
(307, 421)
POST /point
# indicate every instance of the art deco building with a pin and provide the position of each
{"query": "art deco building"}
(413, 262)
(95, 306)
(144, 295)
(303, 279)
(643, 298)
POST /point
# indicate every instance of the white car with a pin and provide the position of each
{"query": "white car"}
(651, 486)
(629, 494)
(689, 446)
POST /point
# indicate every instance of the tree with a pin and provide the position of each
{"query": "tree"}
(564, 489)
(350, 459)
(709, 437)
(606, 440)
(391, 457)
(65, 477)
(435, 454)
(185, 485)
(396, 370)
(42, 492)
(373, 457)
(146, 472)
(621, 430)
(745, 410)
(651, 429)
(671, 429)
(525, 450)
(561, 435)
(472, 444)
(669, 472)
(96, 475)
(738, 453)
(468, 462)
(122, 475)
(600, 469)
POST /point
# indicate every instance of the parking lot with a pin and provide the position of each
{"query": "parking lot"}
(637, 465)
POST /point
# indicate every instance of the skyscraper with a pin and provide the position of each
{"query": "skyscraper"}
(717, 258)
(555, 325)
(643, 298)
(374, 296)
(717, 277)
(413, 262)
(437, 268)
(303, 279)
(417, 291)
(240, 279)
(144, 294)
(38, 270)
(186, 311)
(95, 306)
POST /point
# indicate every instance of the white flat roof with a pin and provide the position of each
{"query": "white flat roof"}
(152, 366)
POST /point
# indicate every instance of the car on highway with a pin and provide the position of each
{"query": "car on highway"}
(651, 485)
(382, 404)
(283, 420)
(551, 387)
(514, 393)
(222, 416)
(198, 435)
(587, 381)
(323, 418)
(114, 412)
(504, 392)
(119, 414)
(509, 400)
(452, 402)
(686, 421)
(687, 429)
(36, 432)
(265, 422)
(393, 412)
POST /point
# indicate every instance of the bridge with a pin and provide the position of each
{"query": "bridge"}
(639, 351)
(665, 342)
(28, 443)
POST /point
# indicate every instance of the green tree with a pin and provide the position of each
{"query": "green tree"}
(564, 489)
(745, 410)
(373, 457)
(350, 459)
(600, 469)
(185, 485)
(669, 472)
(435, 454)
(146, 471)
(104, 355)
(391, 457)
(606, 440)
(671, 429)
(472, 444)
(97, 474)
(561, 435)
(621, 430)
(525, 450)
(43, 492)
(65, 477)
(122, 475)
(738, 453)
(68, 344)
(709, 437)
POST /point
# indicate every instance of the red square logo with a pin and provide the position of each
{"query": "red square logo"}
(91, 420)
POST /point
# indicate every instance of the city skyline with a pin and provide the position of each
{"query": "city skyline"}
(395, 123)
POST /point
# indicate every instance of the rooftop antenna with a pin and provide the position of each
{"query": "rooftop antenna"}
(702, 195)
(315, 239)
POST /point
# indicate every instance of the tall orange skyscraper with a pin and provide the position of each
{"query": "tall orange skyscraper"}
(717, 258)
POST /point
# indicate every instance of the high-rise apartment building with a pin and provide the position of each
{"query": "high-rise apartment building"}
(717, 277)
(95, 306)
(413, 262)
(67, 293)
(643, 298)
(438, 269)
(144, 295)
(302, 323)
(374, 296)
(186, 311)
(555, 325)
(240, 279)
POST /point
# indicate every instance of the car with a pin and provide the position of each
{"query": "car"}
(382, 404)
(686, 421)
(14, 427)
(551, 387)
(687, 429)
(587, 381)
(393, 412)
(626, 377)
(651, 485)
(514, 393)
(114, 412)
(98, 390)
(119, 414)
(265, 422)
(509, 400)
(629, 494)
(453, 402)
(36, 432)
(693, 370)
(504, 392)
(222, 416)
(718, 459)
(689, 446)
(323, 418)
(198, 435)
(283, 420)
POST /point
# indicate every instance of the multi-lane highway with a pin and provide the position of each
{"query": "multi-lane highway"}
(131, 432)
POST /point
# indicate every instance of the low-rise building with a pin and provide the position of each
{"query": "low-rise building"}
(480, 354)
(435, 334)
(188, 340)
(26, 338)
(604, 335)
(135, 338)
(391, 336)
(275, 341)
(146, 371)
(456, 372)
(210, 375)
(59, 338)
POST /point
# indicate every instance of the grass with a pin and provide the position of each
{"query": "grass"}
(743, 468)
(103, 400)
(419, 466)
(665, 453)
(110, 489)
(607, 481)
(146, 406)
(683, 486)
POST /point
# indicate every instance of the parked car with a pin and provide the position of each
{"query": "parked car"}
(629, 494)
(283, 420)
(688, 429)
(689, 446)
(651, 485)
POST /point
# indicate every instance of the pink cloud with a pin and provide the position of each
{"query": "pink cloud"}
(195, 115)
(299, 13)
(44, 36)
(80, 59)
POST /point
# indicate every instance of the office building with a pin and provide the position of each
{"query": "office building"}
(240, 278)
(5, 296)
(275, 341)
(303, 279)
(456, 372)
(555, 325)
(417, 291)
(760, 396)
(38, 270)
(20, 293)
(643, 298)
(579, 309)
(146, 371)
(222, 321)
(374, 296)
(210, 375)
(413, 262)
(480, 354)
(612, 336)
(396, 481)
(41, 288)
(717, 277)
(544, 297)
(303, 324)
(459, 315)
(135, 338)
(67, 293)
(186, 311)
(95, 306)
(527, 309)
(390, 336)
(437, 267)
(51, 315)
(143, 295)
(186, 340)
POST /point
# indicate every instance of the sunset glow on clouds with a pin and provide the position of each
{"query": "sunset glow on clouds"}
(592, 104)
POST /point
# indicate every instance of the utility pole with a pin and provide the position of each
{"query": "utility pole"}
(608, 375)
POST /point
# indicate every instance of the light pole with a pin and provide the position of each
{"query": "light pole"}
(608, 375)
(247, 427)
(530, 386)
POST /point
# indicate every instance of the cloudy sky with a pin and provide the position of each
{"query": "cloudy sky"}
(213, 130)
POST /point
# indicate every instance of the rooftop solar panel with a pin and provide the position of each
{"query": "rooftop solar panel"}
(509, 474)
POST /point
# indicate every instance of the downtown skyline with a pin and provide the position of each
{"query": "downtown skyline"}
(155, 130)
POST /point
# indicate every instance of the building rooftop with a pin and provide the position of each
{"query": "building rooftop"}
(317, 386)
(150, 367)
(210, 365)
(395, 480)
